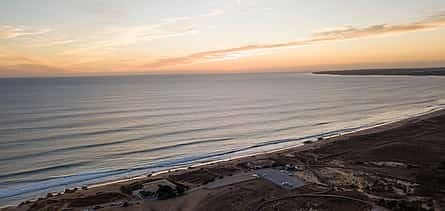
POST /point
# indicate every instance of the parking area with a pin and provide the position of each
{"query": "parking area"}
(280, 178)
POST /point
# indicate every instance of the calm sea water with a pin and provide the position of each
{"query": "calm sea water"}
(65, 132)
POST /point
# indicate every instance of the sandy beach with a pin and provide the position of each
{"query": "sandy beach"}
(399, 166)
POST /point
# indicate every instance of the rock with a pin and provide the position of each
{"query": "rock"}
(146, 193)
(97, 207)
(165, 192)
(68, 190)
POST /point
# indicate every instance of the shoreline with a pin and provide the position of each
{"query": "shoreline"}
(363, 131)
(220, 164)
(326, 136)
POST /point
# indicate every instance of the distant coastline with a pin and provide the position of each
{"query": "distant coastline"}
(439, 71)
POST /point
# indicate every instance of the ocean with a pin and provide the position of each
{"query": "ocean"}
(68, 132)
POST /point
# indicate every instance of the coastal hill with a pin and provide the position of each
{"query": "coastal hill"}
(440, 71)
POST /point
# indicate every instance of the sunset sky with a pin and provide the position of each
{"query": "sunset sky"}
(88, 37)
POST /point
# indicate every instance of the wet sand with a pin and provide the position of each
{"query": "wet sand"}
(400, 166)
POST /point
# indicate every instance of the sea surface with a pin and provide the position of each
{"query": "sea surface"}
(68, 132)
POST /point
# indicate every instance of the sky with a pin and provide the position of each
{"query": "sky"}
(97, 37)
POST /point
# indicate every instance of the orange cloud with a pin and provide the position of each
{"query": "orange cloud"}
(94, 53)
(381, 29)
(326, 35)
(23, 69)
(216, 55)
(15, 63)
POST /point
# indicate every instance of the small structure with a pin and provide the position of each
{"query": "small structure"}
(280, 178)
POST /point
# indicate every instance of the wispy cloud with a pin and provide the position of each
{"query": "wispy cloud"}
(213, 12)
(345, 33)
(48, 43)
(122, 37)
(351, 32)
(6, 59)
(251, 6)
(223, 54)
(117, 37)
(14, 64)
(23, 70)
(9, 32)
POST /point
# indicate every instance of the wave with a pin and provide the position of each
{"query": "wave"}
(108, 120)
(38, 170)
(129, 140)
(85, 178)
(174, 146)
(141, 110)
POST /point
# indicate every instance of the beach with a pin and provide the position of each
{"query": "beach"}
(398, 166)
(222, 105)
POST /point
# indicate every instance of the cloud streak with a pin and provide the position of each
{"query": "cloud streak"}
(214, 12)
(117, 37)
(218, 55)
(15, 64)
(351, 32)
(344, 33)
(10, 32)
(121, 37)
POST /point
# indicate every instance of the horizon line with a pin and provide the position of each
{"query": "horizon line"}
(181, 73)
